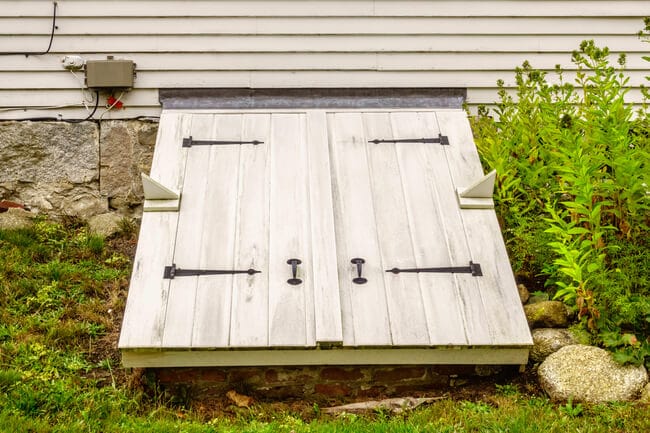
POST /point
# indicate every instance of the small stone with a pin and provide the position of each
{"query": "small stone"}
(549, 340)
(589, 374)
(105, 225)
(547, 314)
(524, 295)
(15, 218)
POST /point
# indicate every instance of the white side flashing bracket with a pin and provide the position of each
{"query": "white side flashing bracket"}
(479, 194)
(157, 197)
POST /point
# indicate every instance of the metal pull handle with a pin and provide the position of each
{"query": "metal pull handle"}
(359, 279)
(294, 271)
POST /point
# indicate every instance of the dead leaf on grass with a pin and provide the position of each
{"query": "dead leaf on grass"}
(239, 399)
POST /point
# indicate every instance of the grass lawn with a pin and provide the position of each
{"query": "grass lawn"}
(62, 291)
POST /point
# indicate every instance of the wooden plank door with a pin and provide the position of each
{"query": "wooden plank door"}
(395, 206)
(252, 206)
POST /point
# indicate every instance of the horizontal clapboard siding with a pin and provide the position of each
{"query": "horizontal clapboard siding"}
(293, 43)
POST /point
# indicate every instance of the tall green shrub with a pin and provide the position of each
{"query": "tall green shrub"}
(573, 171)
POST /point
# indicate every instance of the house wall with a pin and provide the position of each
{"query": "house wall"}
(293, 43)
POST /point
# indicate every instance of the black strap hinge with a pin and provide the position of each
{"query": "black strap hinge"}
(172, 271)
(189, 142)
(441, 139)
(473, 268)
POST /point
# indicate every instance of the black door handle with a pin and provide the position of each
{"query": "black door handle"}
(294, 271)
(359, 279)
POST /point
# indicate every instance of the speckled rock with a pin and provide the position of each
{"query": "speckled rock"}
(589, 374)
(126, 151)
(549, 340)
(51, 166)
(547, 314)
(15, 218)
(106, 224)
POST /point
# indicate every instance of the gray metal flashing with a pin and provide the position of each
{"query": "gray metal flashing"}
(307, 98)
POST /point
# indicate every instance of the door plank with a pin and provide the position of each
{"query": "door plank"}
(405, 305)
(327, 300)
(144, 317)
(364, 306)
(477, 326)
(189, 241)
(289, 234)
(497, 286)
(423, 166)
(250, 296)
(219, 213)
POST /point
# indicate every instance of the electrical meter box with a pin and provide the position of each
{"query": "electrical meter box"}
(110, 74)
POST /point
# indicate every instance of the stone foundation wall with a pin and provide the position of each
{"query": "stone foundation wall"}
(80, 169)
(319, 381)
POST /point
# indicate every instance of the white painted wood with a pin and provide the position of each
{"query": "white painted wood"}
(474, 202)
(290, 306)
(314, 43)
(481, 188)
(479, 194)
(325, 279)
(266, 79)
(161, 205)
(206, 358)
(212, 308)
(316, 190)
(387, 43)
(365, 312)
(125, 8)
(423, 167)
(477, 328)
(408, 322)
(144, 314)
(154, 190)
(179, 320)
(498, 291)
(305, 25)
(250, 296)
(238, 61)
(146, 305)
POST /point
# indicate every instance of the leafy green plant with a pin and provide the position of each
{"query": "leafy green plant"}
(572, 190)
(571, 410)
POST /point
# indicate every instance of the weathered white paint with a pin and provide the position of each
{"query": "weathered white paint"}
(293, 43)
(439, 355)
(317, 189)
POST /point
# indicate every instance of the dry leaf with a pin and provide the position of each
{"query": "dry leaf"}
(239, 399)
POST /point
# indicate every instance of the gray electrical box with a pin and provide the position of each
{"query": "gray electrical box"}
(110, 74)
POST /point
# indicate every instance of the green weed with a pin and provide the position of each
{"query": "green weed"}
(573, 168)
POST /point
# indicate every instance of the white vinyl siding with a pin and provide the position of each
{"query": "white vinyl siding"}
(292, 43)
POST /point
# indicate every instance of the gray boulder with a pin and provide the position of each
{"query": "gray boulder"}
(549, 340)
(105, 225)
(589, 374)
(53, 166)
(547, 314)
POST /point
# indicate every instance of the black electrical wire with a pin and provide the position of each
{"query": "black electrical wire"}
(49, 45)
(90, 115)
